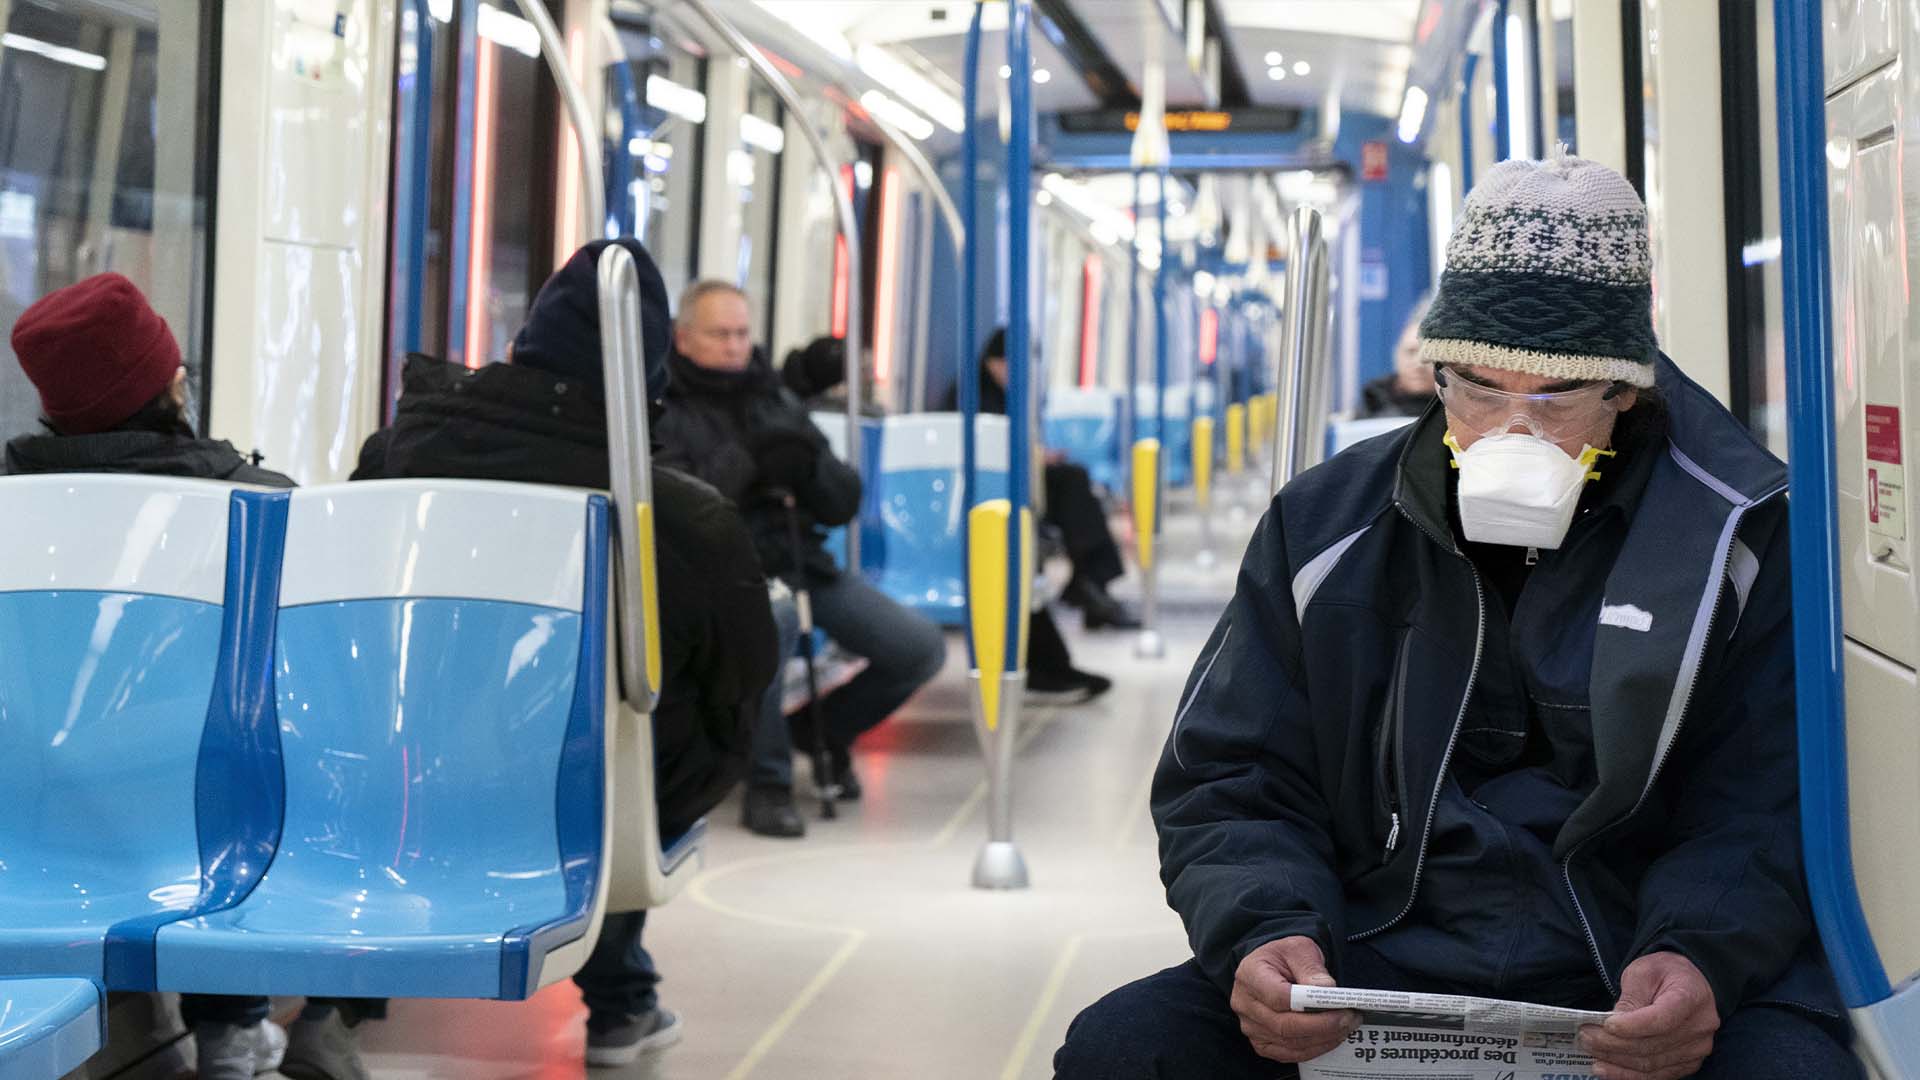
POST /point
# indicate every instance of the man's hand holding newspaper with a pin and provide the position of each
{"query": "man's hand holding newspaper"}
(1290, 1010)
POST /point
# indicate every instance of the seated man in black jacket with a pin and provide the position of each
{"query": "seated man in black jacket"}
(541, 418)
(731, 423)
(1503, 704)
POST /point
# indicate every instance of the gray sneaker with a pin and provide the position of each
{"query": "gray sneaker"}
(622, 1042)
(323, 1049)
(233, 1052)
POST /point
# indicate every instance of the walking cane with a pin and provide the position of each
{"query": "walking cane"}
(823, 784)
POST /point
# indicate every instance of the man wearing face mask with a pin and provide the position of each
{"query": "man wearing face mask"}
(1503, 703)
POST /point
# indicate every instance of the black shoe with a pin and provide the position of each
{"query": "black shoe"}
(1110, 614)
(1069, 687)
(843, 776)
(769, 811)
(1100, 610)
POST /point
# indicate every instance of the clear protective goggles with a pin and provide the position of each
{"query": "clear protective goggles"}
(1565, 416)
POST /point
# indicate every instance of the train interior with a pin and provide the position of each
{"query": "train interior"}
(1204, 226)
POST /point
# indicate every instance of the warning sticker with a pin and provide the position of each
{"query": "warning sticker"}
(1886, 474)
(1883, 434)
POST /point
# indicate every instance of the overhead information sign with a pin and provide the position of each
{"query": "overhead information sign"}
(1205, 121)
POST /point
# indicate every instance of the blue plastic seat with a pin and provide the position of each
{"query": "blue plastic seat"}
(1084, 424)
(116, 627)
(834, 426)
(1176, 438)
(917, 555)
(440, 672)
(49, 1027)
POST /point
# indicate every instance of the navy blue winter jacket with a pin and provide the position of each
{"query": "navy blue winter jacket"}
(1323, 715)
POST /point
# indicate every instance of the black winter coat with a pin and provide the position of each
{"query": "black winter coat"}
(749, 437)
(504, 422)
(1297, 791)
(149, 452)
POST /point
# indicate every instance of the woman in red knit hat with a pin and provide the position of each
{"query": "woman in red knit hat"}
(113, 393)
(113, 397)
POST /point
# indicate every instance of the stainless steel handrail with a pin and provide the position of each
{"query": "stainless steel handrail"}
(1305, 284)
(630, 456)
(593, 176)
(849, 229)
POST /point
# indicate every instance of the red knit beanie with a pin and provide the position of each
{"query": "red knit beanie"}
(96, 351)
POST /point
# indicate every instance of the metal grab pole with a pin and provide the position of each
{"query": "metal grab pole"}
(1309, 248)
(593, 177)
(1817, 552)
(631, 471)
(966, 365)
(1149, 643)
(849, 231)
(999, 864)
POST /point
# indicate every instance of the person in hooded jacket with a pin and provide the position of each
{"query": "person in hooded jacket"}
(113, 394)
(730, 422)
(541, 418)
(1503, 703)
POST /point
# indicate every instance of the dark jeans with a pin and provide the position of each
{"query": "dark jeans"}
(1076, 512)
(772, 764)
(903, 651)
(1046, 649)
(619, 978)
(1177, 1024)
(247, 1011)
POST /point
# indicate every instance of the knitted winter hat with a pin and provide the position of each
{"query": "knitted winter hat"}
(96, 351)
(562, 333)
(1548, 273)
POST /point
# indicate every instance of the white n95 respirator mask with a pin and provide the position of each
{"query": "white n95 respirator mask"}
(1519, 489)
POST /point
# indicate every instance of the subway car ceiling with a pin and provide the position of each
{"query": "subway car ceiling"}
(327, 195)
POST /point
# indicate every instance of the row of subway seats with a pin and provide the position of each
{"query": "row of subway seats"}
(241, 764)
(912, 519)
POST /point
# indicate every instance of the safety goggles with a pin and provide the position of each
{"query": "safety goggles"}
(1482, 410)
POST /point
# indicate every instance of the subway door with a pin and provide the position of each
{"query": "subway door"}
(300, 244)
(1871, 160)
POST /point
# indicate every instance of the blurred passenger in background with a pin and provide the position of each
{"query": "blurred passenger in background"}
(730, 422)
(1071, 507)
(1050, 670)
(113, 395)
(541, 418)
(1409, 388)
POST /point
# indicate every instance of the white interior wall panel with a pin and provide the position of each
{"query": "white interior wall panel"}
(300, 266)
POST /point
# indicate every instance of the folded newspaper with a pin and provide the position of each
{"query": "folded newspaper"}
(1444, 1037)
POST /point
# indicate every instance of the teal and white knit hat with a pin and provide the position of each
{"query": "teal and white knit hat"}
(1548, 273)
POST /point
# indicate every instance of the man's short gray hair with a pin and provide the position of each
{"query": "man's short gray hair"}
(700, 290)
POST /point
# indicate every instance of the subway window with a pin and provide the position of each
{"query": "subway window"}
(106, 164)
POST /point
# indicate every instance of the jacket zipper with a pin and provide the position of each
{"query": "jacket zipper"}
(1686, 702)
(1391, 772)
(1446, 761)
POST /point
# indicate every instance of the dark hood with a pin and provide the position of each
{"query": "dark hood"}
(147, 452)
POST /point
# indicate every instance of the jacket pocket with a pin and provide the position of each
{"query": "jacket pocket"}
(1389, 772)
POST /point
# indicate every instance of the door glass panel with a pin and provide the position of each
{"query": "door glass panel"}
(105, 162)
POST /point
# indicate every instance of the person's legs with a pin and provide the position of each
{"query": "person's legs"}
(1076, 512)
(1050, 670)
(903, 651)
(233, 1039)
(321, 1044)
(618, 984)
(618, 980)
(223, 1009)
(1176, 1025)
(1762, 1042)
(772, 764)
(767, 807)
